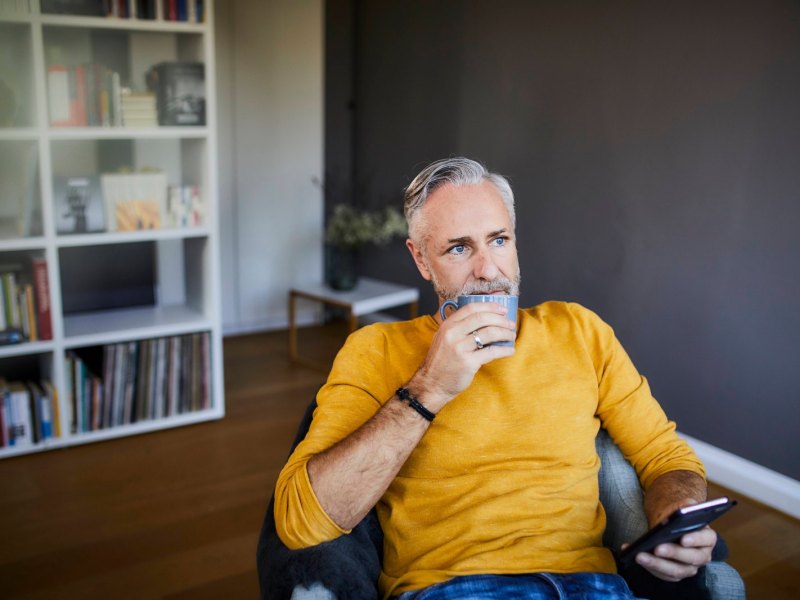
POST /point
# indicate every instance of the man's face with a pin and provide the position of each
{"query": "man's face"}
(469, 245)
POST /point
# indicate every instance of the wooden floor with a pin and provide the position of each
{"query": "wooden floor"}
(176, 514)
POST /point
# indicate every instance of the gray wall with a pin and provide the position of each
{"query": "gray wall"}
(654, 153)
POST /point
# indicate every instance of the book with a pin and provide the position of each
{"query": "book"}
(138, 109)
(21, 424)
(4, 418)
(52, 398)
(71, 389)
(58, 96)
(185, 206)
(28, 312)
(35, 409)
(130, 383)
(180, 92)
(41, 289)
(108, 385)
(10, 295)
(173, 376)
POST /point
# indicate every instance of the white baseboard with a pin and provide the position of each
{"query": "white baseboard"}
(754, 481)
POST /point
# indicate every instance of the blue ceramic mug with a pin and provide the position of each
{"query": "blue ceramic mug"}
(510, 302)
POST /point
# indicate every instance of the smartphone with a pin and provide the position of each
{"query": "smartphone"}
(679, 523)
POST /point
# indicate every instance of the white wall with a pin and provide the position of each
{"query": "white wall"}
(270, 92)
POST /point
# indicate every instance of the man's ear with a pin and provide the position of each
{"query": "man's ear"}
(419, 259)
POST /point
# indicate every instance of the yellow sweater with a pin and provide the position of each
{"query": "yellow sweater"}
(505, 479)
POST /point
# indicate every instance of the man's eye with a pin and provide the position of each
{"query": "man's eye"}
(460, 249)
(501, 241)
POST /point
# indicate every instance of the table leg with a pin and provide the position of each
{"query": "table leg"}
(412, 310)
(353, 321)
(292, 328)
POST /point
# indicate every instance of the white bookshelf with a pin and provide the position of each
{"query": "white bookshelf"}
(187, 278)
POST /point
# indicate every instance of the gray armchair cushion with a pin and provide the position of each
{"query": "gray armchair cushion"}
(622, 498)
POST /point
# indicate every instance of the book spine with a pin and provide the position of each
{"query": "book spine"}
(80, 376)
(4, 422)
(10, 297)
(174, 375)
(3, 324)
(151, 379)
(108, 386)
(22, 307)
(12, 417)
(30, 310)
(58, 96)
(130, 382)
(41, 285)
(69, 371)
(206, 371)
(82, 116)
(23, 434)
(140, 412)
(35, 410)
(50, 409)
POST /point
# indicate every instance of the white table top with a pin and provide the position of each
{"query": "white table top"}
(369, 296)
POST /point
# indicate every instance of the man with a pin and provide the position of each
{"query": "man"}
(499, 492)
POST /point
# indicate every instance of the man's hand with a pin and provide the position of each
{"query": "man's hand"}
(673, 562)
(454, 357)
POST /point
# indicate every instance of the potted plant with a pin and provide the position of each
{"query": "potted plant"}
(348, 230)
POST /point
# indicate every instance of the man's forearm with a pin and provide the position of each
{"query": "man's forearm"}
(672, 491)
(349, 478)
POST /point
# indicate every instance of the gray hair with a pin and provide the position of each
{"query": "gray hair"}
(456, 171)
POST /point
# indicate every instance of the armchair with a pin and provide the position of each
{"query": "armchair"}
(348, 567)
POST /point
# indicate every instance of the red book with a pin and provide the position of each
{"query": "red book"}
(41, 286)
(173, 10)
(80, 94)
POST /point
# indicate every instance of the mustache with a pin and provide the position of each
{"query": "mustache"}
(484, 287)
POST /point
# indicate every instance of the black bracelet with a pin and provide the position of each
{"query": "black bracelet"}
(405, 395)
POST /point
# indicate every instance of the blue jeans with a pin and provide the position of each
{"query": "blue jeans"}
(534, 586)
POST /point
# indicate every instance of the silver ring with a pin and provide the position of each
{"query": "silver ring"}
(478, 342)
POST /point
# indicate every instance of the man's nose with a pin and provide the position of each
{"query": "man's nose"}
(485, 267)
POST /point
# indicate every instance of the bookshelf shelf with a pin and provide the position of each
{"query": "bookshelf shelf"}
(51, 225)
(80, 22)
(27, 348)
(32, 243)
(19, 134)
(100, 239)
(104, 327)
(128, 133)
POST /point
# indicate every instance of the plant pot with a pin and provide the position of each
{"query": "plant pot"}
(341, 269)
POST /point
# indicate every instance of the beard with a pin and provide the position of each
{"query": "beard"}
(481, 286)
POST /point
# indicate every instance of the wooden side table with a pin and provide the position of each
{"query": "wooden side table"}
(369, 296)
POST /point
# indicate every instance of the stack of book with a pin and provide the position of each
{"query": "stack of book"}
(138, 108)
(28, 413)
(25, 303)
(191, 11)
(126, 383)
(185, 206)
(83, 95)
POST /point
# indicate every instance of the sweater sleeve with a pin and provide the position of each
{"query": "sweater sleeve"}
(351, 396)
(628, 410)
